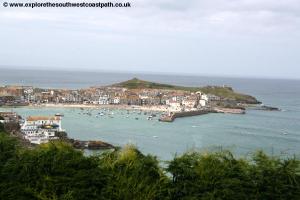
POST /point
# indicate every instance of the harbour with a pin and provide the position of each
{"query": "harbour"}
(277, 133)
(240, 133)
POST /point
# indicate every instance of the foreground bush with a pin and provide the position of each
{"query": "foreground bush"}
(1, 126)
(57, 171)
(51, 171)
(221, 176)
(132, 175)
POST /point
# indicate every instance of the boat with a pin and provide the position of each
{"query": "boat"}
(59, 115)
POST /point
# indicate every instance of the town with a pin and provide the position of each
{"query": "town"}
(167, 101)
(172, 100)
(133, 94)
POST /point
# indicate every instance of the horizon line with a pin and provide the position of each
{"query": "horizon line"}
(35, 68)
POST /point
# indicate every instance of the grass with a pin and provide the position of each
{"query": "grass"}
(223, 92)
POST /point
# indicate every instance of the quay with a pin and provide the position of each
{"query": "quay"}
(230, 110)
(173, 115)
(170, 117)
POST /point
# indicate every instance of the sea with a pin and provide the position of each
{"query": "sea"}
(275, 132)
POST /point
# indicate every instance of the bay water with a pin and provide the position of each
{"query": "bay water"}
(277, 133)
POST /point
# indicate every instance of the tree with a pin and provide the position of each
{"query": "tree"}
(1, 127)
(8, 148)
(274, 178)
(208, 176)
(52, 171)
(133, 175)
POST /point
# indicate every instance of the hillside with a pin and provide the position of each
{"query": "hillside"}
(223, 92)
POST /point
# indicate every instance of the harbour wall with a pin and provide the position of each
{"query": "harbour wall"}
(172, 116)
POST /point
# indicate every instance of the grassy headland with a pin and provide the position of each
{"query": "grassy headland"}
(223, 92)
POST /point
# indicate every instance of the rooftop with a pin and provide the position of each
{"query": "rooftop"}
(37, 118)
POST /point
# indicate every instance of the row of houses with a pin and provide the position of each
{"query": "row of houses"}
(106, 95)
(191, 102)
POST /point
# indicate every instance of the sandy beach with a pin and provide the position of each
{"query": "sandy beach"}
(160, 108)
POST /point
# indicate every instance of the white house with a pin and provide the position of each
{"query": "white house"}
(190, 103)
(116, 100)
(204, 97)
(41, 129)
(210, 97)
(202, 102)
(173, 105)
(104, 100)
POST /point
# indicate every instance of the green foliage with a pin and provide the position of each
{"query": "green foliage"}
(1, 127)
(209, 176)
(52, 171)
(221, 176)
(57, 171)
(8, 148)
(133, 175)
(229, 93)
(274, 178)
(141, 84)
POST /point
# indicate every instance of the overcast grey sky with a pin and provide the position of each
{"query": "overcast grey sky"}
(259, 38)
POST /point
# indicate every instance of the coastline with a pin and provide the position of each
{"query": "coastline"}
(159, 108)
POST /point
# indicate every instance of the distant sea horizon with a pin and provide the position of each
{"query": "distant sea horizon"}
(19, 76)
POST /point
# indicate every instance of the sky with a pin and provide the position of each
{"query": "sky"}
(247, 38)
